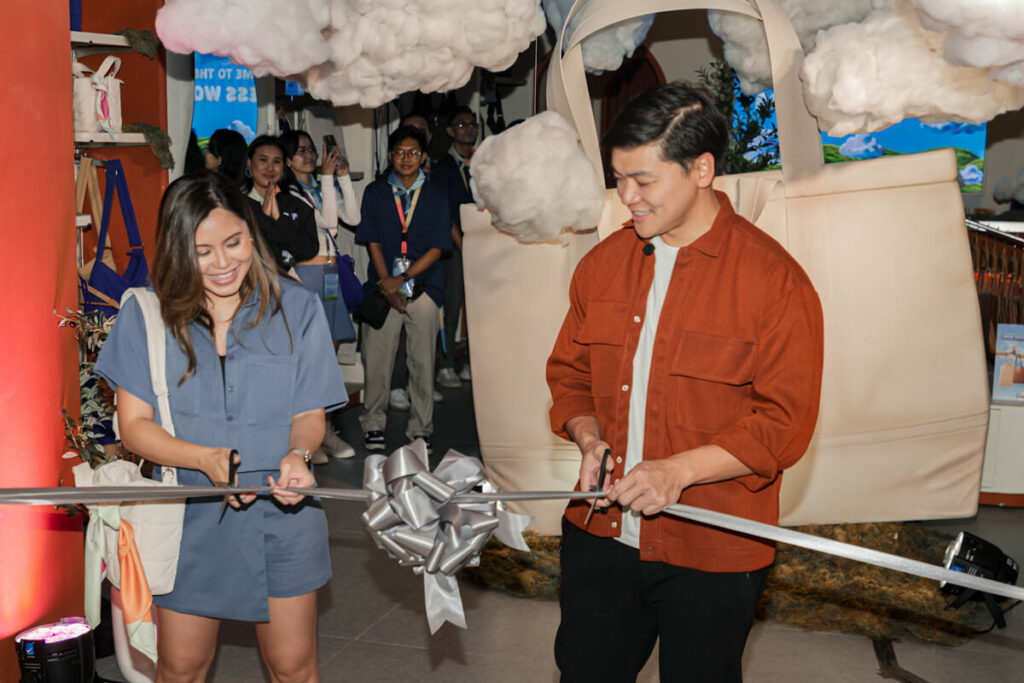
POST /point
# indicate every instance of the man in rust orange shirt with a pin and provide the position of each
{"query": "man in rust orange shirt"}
(692, 349)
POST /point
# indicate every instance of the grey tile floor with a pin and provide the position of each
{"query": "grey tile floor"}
(372, 627)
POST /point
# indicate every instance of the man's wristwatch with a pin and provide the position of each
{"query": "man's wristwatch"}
(307, 457)
(404, 276)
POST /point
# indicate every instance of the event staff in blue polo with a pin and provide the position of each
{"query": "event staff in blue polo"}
(406, 226)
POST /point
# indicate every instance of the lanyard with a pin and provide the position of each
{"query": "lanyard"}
(407, 220)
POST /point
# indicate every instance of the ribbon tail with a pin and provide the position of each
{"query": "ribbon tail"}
(511, 526)
(95, 547)
(443, 601)
(136, 600)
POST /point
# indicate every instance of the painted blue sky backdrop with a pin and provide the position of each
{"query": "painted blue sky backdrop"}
(911, 135)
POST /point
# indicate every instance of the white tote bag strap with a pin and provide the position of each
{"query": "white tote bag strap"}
(108, 64)
(80, 70)
(156, 344)
(799, 142)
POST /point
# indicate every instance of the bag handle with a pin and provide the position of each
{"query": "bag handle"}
(567, 93)
(108, 63)
(116, 184)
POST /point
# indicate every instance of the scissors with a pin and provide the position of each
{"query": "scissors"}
(230, 483)
(599, 487)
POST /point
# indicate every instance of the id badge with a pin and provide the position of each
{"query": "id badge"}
(332, 286)
(399, 266)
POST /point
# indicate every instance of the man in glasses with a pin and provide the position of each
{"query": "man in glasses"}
(406, 226)
(453, 170)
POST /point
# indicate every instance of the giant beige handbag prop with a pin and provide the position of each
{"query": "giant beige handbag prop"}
(904, 405)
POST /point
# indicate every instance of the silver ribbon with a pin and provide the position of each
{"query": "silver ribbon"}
(434, 523)
(418, 547)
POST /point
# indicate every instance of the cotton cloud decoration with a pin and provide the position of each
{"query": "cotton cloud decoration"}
(1010, 188)
(537, 181)
(868, 76)
(383, 48)
(278, 37)
(374, 51)
(981, 33)
(746, 48)
(604, 50)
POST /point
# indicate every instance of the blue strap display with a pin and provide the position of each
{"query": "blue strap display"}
(105, 286)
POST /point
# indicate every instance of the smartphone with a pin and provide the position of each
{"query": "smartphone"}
(329, 142)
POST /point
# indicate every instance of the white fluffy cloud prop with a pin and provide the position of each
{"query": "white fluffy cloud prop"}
(982, 33)
(867, 76)
(537, 181)
(746, 48)
(278, 37)
(605, 50)
(1010, 188)
(383, 48)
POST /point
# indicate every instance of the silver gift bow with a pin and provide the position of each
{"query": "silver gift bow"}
(414, 514)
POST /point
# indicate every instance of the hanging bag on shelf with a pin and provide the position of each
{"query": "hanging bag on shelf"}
(97, 97)
(895, 440)
(102, 285)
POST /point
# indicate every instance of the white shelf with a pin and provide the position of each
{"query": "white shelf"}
(98, 39)
(106, 140)
(84, 43)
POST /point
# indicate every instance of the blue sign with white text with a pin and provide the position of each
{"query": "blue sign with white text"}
(225, 97)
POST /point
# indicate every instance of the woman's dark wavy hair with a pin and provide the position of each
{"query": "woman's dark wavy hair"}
(289, 142)
(176, 277)
(229, 146)
(260, 141)
(681, 118)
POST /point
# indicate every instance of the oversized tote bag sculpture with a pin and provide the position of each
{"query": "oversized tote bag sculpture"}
(904, 406)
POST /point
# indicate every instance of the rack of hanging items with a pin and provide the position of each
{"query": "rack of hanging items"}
(999, 275)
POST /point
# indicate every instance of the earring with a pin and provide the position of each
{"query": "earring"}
(248, 172)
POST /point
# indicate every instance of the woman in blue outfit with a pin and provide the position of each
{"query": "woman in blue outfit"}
(250, 367)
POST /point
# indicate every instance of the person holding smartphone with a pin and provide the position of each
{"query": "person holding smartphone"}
(329, 197)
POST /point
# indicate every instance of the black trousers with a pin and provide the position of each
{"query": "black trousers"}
(614, 608)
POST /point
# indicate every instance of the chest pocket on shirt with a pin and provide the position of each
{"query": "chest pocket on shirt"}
(711, 378)
(270, 383)
(603, 331)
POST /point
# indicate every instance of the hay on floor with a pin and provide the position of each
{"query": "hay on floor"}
(806, 589)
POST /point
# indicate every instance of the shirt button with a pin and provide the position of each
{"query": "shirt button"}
(619, 459)
(230, 418)
(615, 525)
(650, 550)
(625, 387)
(231, 388)
(231, 356)
(636, 318)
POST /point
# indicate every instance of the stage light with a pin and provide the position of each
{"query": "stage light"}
(57, 653)
(972, 555)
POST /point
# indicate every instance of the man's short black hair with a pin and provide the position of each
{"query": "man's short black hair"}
(680, 117)
(403, 132)
(462, 109)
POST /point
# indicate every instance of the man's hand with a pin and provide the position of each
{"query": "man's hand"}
(398, 301)
(587, 435)
(651, 486)
(390, 285)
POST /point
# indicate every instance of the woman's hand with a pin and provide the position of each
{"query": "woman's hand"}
(342, 166)
(270, 207)
(214, 464)
(330, 162)
(294, 474)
